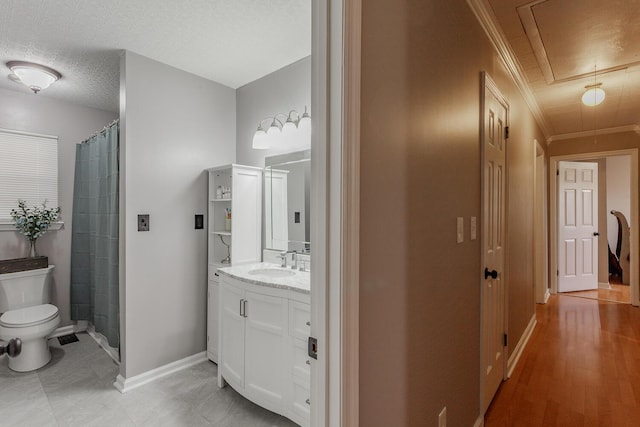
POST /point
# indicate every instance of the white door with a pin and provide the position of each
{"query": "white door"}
(577, 226)
(495, 112)
(266, 329)
(232, 334)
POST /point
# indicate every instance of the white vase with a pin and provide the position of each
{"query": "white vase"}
(32, 249)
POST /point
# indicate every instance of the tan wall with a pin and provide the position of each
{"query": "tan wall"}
(420, 169)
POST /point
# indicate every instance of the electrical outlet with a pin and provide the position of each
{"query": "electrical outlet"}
(442, 418)
(143, 222)
(199, 222)
(460, 229)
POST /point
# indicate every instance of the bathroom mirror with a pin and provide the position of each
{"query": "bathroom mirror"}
(286, 200)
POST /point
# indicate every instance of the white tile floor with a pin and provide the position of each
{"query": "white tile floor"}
(75, 389)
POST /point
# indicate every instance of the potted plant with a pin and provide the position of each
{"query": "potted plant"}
(33, 222)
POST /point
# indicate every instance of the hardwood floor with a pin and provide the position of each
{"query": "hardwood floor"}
(617, 293)
(580, 368)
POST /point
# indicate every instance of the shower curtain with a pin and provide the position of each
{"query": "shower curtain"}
(94, 237)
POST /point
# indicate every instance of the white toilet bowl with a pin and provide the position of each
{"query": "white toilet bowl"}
(32, 325)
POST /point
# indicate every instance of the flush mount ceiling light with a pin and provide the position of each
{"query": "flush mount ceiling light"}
(594, 95)
(35, 76)
(294, 130)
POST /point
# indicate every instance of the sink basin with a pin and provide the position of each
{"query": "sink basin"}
(272, 272)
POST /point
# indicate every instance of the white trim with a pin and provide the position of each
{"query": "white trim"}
(127, 384)
(9, 225)
(102, 342)
(607, 131)
(547, 295)
(524, 339)
(634, 224)
(489, 23)
(604, 285)
(479, 422)
(69, 329)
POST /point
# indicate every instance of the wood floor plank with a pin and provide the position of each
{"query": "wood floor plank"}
(580, 368)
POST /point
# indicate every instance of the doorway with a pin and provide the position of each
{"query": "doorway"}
(603, 290)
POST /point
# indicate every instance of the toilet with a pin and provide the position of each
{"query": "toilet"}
(25, 313)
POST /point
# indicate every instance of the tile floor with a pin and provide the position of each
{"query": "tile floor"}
(75, 389)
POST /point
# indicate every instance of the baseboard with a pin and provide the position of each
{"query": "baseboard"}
(547, 294)
(80, 326)
(103, 343)
(127, 384)
(604, 285)
(517, 352)
(479, 422)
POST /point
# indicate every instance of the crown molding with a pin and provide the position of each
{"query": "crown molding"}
(490, 25)
(607, 131)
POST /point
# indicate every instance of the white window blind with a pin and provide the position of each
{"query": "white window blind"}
(28, 170)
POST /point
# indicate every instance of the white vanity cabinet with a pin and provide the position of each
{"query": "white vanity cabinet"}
(263, 332)
(231, 241)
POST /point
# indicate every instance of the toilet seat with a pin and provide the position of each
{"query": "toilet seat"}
(29, 316)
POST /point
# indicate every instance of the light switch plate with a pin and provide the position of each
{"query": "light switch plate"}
(460, 229)
(473, 232)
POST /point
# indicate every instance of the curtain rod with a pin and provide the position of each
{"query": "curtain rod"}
(101, 130)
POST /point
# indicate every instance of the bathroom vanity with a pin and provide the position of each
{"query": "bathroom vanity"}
(264, 323)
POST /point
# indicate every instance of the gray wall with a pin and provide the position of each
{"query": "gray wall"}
(420, 169)
(279, 92)
(174, 125)
(71, 124)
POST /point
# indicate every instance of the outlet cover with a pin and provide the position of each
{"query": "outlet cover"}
(473, 233)
(199, 224)
(143, 222)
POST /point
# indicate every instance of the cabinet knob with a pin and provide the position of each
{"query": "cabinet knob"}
(308, 362)
(308, 323)
(308, 401)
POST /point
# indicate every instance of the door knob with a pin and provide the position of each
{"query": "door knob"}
(595, 233)
(493, 274)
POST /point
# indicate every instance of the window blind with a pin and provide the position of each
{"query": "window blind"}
(28, 170)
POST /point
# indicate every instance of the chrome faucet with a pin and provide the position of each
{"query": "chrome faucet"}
(294, 258)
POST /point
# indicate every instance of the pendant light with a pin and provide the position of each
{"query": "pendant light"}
(594, 94)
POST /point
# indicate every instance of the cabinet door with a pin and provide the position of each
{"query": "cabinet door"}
(232, 330)
(266, 329)
(246, 216)
(212, 321)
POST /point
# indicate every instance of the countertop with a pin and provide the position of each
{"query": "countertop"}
(299, 282)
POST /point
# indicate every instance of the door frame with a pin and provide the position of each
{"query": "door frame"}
(553, 215)
(487, 83)
(540, 226)
(335, 105)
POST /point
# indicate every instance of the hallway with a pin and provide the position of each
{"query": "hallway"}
(580, 368)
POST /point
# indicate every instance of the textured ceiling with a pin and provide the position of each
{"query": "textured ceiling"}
(559, 44)
(232, 42)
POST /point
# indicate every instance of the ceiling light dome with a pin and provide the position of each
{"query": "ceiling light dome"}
(35, 76)
(594, 95)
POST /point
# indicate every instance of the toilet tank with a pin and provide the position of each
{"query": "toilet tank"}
(25, 288)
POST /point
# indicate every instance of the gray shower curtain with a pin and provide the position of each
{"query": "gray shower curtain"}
(94, 237)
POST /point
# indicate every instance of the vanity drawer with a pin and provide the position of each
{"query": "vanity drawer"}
(299, 320)
(301, 361)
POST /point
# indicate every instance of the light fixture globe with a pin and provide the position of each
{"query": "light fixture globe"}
(35, 76)
(260, 139)
(593, 96)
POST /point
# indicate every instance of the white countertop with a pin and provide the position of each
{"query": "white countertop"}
(300, 281)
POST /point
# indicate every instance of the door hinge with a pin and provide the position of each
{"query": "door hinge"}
(312, 347)
(557, 272)
(506, 132)
(505, 339)
(557, 172)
